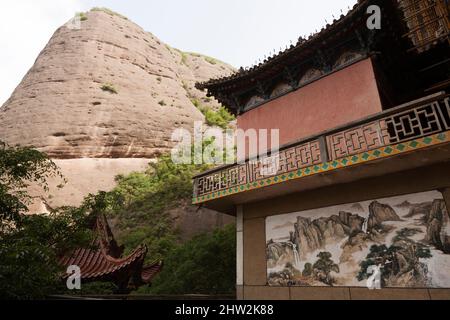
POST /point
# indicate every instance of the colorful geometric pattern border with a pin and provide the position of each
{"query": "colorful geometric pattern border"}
(383, 152)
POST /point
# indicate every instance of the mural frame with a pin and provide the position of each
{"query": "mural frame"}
(400, 233)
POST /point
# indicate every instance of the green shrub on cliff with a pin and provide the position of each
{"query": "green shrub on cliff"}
(81, 15)
(220, 118)
(109, 11)
(109, 87)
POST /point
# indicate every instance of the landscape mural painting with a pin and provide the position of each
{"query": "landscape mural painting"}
(407, 237)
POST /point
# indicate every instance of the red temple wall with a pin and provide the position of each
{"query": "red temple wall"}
(339, 98)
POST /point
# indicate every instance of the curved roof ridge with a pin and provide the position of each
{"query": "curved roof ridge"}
(300, 45)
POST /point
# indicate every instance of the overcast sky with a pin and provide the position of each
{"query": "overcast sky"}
(235, 31)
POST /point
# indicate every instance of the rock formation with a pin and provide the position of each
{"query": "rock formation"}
(405, 204)
(103, 100)
(378, 213)
(438, 226)
(107, 90)
(357, 207)
(418, 209)
(310, 235)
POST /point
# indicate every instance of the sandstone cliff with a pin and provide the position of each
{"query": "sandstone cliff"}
(103, 100)
(61, 108)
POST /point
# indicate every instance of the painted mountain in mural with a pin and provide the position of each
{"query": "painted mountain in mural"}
(335, 247)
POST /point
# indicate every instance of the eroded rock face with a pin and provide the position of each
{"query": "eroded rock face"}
(279, 253)
(191, 220)
(438, 226)
(378, 213)
(310, 235)
(94, 134)
(418, 209)
(60, 107)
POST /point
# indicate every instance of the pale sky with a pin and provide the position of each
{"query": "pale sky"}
(235, 31)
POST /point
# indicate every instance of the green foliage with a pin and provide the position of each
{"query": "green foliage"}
(81, 15)
(109, 87)
(203, 265)
(109, 11)
(29, 253)
(183, 57)
(210, 60)
(163, 183)
(196, 103)
(30, 245)
(220, 118)
(144, 219)
(159, 236)
(18, 168)
(185, 86)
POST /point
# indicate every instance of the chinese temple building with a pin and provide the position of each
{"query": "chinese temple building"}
(360, 196)
(103, 262)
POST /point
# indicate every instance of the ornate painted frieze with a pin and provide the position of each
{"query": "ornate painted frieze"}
(402, 126)
(406, 130)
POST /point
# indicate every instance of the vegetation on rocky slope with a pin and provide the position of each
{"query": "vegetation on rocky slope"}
(31, 244)
(109, 11)
(220, 117)
(81, 15)
(146, 198)
(109, 87)
(197, 266)
(137, 207)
